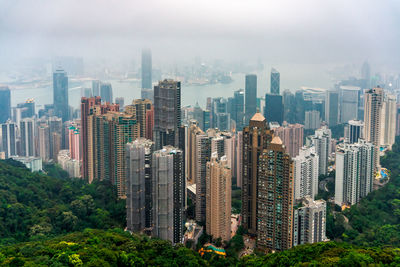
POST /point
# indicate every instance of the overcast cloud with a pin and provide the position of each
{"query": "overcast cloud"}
(308, 31)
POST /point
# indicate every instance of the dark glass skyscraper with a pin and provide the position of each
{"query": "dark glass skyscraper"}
(238, 109)
(5, 104)
(60, 94)
(275, 81)
(167, 113)
(106, 92)
(250, 96)
(273, 108)
(146, 69)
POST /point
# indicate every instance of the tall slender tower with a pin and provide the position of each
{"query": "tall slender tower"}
(60, 94)
(275, 82)
(5, 104)
(275, 198)
(167, 113)
(138, 184)
(250, 97)
(218, 198)
(27, 130)
(256, 137)
(147, 68)
(168, 194)
(306, 173)
(142, 107)
(373, 101)
(9, 136)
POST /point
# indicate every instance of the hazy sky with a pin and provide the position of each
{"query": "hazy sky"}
(307, 31)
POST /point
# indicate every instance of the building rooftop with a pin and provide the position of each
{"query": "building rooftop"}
(258, 117)
(276, 140)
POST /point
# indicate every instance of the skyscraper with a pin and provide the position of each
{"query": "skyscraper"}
(27, 108)
(275, 82)
(354, 131)
(250, 97)
(146, 69)
(106, 92)
(289, 105)
(27, 131)
(322, 143)
(366, 74)
(275, 198)
(273, 111)
(167, 113)
(60, 94)
(312, 120)
(349, 96)
(354, 172)
(142, 106)
(388, 125)
(96, 88)
(306, 173)
(373, 101)
(218, 198)
(74, 141)
(256, 137)
(9, 138)
(332, 108)
(168, 200)
(309, 222)
(55, 131)
(5, 104)
(43, 141)
(238, 109)
(138, 184)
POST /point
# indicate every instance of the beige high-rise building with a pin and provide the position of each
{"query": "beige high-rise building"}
(388, 126)
(218, 198)
(291, 136)
(373, 101)
(193, 131)
(141, 108)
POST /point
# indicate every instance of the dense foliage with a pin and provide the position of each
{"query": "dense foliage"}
(35, 205)
(119, 248)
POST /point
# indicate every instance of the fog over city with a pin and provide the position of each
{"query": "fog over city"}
(310, 31)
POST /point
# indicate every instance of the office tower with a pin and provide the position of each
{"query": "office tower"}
(74, 141)
(309, 222)
(250, 106)
(206, 120)
(219, 105)
(27, 108)
(388, 125)
(349, 96)
(60, 94)
(202, 156)
(141, 107)
(256, 137)
(198, 114)
(168, 182)
(55, 131)
(275, 198)
(146, 69)
(373, 101)
(167, 113)
(90, 109)
(354, 172)
(312, 120)
(275, 82)
(106, 92)
(120, 101)
(43, 141)
(138, 184)
(218, 198)
(332, 108)
(366, 74)
(273, 108)
(5, 104)
(223, 121)
(299, 107)
(354, 131)
(96, 88)
(239, 158)
(322, 143)
(9, 138)
(289, 107)
(291, 136)
(238, 109)
(27, 132)
(306, 173)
